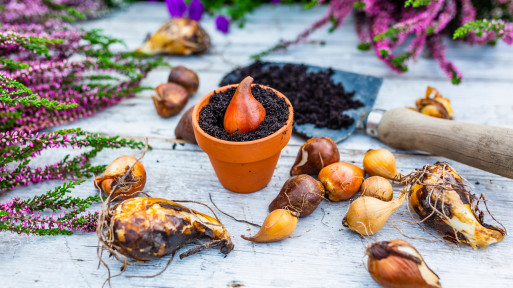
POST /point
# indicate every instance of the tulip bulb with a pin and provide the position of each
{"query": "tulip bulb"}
(381, 162)
(244, 113)
(278, 225)
(397, 264)
(315, 154)
(170, 99)
(367, 215)
(301, 194)
(131, 184)
(341, 180)
(377, 187)
(440, 198)
(184, 77)
(184, 128)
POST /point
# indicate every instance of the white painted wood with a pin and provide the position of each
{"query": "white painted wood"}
(321, 252)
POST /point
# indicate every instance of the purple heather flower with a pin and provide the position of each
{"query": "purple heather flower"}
(196, 10)
(223, 24)
(177, 8)
(275, 1)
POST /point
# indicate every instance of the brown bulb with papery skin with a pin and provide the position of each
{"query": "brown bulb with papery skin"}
(184, 77)
(170, 99)
(301, 193)
(184, 128)
(315, 154)
(397, 264)
(244, 113)
(341, 180)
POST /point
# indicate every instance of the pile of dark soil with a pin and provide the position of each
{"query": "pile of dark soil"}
(315, 97)
(212, 115)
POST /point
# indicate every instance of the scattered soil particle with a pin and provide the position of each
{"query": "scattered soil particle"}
(212, 115)
(315, 97)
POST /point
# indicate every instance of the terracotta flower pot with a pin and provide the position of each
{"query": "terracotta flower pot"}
(243, 167)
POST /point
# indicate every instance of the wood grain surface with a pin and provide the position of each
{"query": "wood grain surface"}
(321, 252)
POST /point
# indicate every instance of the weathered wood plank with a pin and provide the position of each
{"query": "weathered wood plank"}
(321, 253)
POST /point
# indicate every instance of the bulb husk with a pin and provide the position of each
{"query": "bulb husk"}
(367, 215)
(441, 199)
(377, 187)
(381, 162)
(278, 225)
(397, 264)
(180, 36)
(435, 105)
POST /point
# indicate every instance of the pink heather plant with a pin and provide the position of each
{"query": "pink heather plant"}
(17, 148)
(385, 25)
(42, 11)
(53, 73)
(65, 66)
(24, 216)
(16, 151)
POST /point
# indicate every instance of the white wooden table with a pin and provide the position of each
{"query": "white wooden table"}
(321, 253)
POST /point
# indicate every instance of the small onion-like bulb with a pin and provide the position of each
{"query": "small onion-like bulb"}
(381, 162)
(278, 225)
(342, 180)
(377, 187)
(367, 215)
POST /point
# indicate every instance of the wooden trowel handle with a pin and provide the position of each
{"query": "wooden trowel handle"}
(484, 147)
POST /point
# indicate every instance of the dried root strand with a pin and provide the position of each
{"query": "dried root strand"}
(124, 230)
(236, 219)
(104, 224)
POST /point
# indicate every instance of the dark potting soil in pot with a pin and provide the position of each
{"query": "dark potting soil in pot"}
(211, 116)
(315, 97)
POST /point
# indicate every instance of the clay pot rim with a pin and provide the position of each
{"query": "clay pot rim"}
(195, 122)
